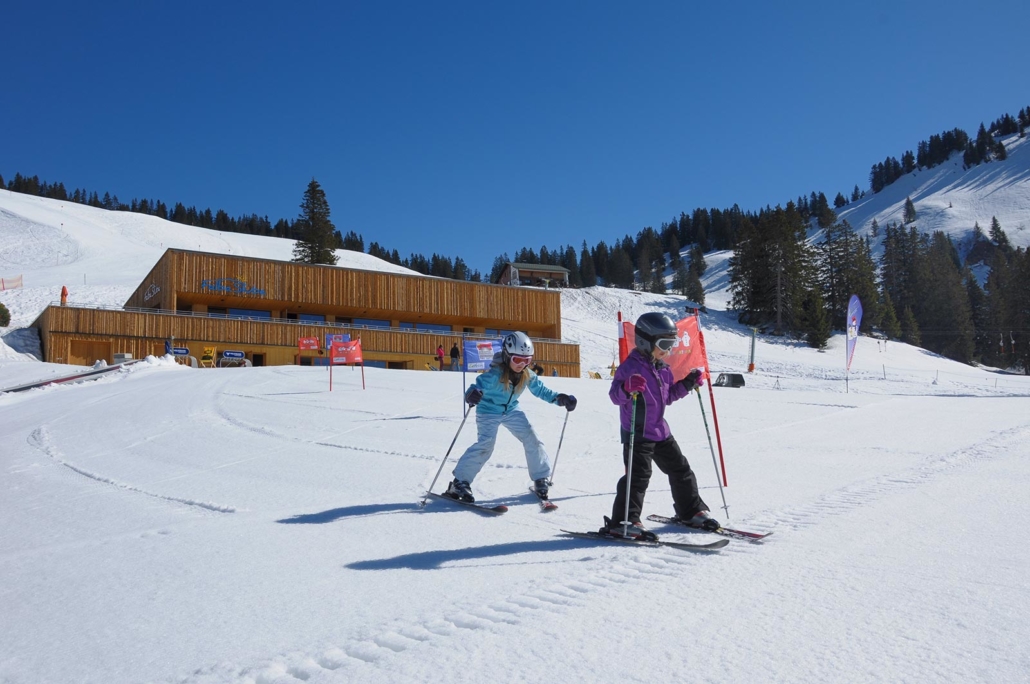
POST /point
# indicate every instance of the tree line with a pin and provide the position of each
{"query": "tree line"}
(778, 280)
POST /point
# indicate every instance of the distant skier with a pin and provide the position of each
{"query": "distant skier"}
(495, 395)
(645, 373)
(439, 355)
(455, 356)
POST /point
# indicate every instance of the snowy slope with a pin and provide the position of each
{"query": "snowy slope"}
(163, 524)
(951, 200)
(101, 256)
(172, 525)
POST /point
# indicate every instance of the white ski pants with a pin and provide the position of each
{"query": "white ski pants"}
(487, 424)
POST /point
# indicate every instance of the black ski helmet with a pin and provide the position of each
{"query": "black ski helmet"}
(653, 326)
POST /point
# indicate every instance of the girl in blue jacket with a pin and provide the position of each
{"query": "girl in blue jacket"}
(495, 395)
(645, 374)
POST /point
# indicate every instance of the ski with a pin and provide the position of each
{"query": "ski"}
(492, 510)
(545, 504)
(724, 531)
(713, 546)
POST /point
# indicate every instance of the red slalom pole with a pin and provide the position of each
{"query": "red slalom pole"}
(718, 438)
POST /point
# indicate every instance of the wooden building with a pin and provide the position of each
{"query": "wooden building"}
(539, 275)
(258, 309)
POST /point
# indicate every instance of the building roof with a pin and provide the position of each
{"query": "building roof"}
(539, 267)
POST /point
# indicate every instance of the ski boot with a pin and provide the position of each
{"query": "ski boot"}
(634, 530)
(460, 490)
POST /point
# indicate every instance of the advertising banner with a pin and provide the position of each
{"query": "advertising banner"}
(330, 339)
(854, 322)
(307, 343)
(345, 352)
(479, 353)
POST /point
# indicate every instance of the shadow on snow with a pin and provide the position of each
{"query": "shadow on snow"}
(433, 560)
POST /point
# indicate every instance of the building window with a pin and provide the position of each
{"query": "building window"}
(250, 313)
(431, 327)
(371, 323)
(311, 317)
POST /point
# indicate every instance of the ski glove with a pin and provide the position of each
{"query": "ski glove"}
(473, 396)
(566, 400)
(635, 383)
(695, 379)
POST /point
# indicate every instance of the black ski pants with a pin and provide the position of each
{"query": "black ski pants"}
(671, 461)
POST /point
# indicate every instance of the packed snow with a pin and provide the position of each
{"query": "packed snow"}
(165, 524)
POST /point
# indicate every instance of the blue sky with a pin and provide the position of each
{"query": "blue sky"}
(472, 128)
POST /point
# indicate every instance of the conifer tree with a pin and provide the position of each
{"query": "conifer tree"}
(587, 274)
(941, 305)
(679, 279)
(698, 265)
(620, 269)
(910, 211)
(889, 319)
(317, 240)
(909, 327)
(815, 322)
(673, 248)
(657, 284)
(572, 263)
(998, 236)
(981, 316)
(694, 290)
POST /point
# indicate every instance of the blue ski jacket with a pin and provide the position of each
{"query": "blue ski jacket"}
(500, 399)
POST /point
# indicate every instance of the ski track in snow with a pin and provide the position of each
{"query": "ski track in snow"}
(373, 657)
(40, 439)
(376, 656)
(861, 494)
(229, 419)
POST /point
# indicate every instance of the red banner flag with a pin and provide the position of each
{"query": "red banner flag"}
(307, 343)
(346, 352)
(688, 354)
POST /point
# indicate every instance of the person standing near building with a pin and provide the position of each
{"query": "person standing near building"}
(495, 395)
(645, 376)
(439, 355)
(455, 355)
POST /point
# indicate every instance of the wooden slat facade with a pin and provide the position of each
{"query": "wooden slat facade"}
(142, 333)
(196, 279)
(174, 300)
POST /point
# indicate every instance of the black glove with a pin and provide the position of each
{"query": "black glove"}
(473, 396)
(566, 400)
(694, 379)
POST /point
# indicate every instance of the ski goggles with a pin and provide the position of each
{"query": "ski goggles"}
(665, 343)
(518, 360)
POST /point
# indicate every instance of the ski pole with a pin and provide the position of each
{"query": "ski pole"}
(629, 466)
(445, 457)
(550, 481)
(712, 448)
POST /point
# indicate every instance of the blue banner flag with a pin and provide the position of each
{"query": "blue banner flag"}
(854, 322)
(478, 354)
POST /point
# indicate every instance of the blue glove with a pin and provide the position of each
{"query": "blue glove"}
(566, 400)
(473, 395)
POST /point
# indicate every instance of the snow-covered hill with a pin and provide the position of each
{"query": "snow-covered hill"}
(952, 200)
(165, 524)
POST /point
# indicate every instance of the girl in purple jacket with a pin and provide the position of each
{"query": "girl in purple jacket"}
(645, 374)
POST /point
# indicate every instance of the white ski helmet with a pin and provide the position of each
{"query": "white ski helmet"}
(518, 344)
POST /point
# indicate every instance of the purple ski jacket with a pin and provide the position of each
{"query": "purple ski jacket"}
(661, 391)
